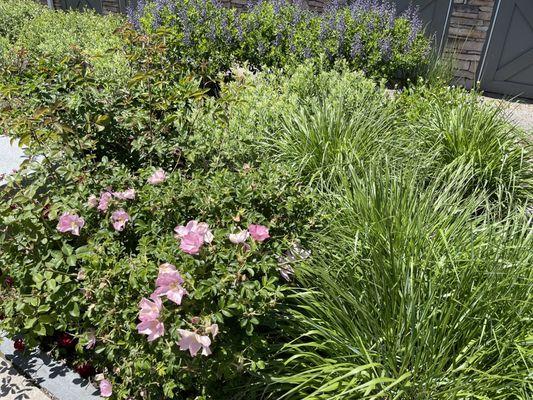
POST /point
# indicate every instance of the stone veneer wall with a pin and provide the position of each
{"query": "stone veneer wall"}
(467, 33)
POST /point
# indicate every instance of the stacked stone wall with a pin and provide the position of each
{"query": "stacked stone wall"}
(467, 33)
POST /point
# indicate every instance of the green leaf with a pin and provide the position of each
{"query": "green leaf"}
(40, 330)
(30, 322)
(74, 310)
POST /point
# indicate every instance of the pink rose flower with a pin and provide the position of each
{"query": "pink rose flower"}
(150, 309)
(193, 236)
(157, 177)
(106, 389)
(119, 220)
(70, 223)
(194, 227)
(258, 232)
(192, 243)
(193, 342)
(92, 202)
(168, 274)
(213, 330)
(128, 194)
(153, 328)
(239, 237)
(169, 283)
(105, 198)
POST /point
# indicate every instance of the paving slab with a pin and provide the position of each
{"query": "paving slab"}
(14, 386)
(54, 378)
(11, 155)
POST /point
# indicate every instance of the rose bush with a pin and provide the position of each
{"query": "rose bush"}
(117, 244)
(74, 271)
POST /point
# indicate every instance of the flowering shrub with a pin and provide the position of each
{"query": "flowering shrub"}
(74, 271)
(367, 34)
(144, 245)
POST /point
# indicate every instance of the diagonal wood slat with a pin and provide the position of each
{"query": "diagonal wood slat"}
(515, 66)
(509, 54)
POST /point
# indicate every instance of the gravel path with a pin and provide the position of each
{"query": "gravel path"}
(520, 111)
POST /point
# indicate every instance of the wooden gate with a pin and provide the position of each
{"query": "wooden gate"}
(508, 63)
(435, 15)
(82, 4)
(101, 6)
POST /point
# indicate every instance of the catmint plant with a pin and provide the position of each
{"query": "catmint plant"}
(280, 33)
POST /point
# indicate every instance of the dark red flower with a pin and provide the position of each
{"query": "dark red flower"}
(85, 370)
(65, 340)
(9, 281)
(19, 345)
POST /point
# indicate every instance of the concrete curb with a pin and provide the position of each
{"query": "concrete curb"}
(56, 379)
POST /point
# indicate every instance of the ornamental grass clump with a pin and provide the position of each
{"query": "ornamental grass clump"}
(450, 129)
(414, 295)
(419, 283)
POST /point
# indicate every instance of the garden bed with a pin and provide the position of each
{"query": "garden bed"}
(297, 233)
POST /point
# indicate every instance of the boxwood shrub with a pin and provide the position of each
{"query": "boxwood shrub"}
(14, 14)
(33, 29)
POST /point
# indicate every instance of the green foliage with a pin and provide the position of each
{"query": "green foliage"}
(95, 141)
(36, 31)
(452, 129)
(280, 34)
(70, 284)
(412, 296)
(15, 14)
(419, 283)
(415, 207)
(343, 120)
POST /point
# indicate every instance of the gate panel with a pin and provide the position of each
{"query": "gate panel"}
(81, 4)
(508, 64)
(434, 13)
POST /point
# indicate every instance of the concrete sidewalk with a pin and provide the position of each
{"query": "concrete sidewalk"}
(10, 155)
(14, 386)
